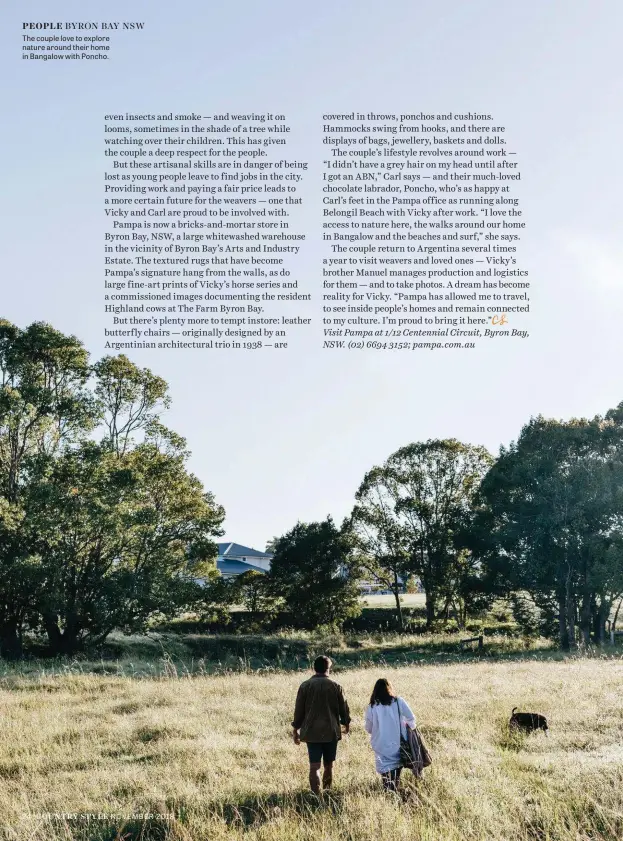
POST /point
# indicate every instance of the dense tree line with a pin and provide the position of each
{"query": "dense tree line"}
(541, 526)
(102, 526)
(551, 523)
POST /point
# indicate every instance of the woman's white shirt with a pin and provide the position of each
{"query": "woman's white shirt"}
(382, 723)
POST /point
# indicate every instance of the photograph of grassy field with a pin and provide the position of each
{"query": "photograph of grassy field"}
(148, 672)
(209, 756)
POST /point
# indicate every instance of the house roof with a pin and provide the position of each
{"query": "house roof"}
(236, 550)
(233, 567)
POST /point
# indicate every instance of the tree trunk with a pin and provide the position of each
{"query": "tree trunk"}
(431, 603)
(396, 589)
(55, 637)
(601, 627)
(446, 610)
(64, 642)
(571, 615)
(71, 632)
(563, 630)
(458, 608)
(463, 614)
(10, 645)
(585, 619)
(601, 615)
(616, 616)
(69, 640)
(571, 624)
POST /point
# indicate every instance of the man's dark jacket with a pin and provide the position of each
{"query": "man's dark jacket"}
(320, 709)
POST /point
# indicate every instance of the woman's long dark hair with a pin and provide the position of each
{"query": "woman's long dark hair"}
(383, 692)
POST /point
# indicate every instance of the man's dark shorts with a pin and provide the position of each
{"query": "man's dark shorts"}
(322, 751)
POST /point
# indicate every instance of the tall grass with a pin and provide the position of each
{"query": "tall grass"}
(85, 756)
(172, 654)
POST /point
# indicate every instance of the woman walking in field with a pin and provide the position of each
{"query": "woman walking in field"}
(387, 717)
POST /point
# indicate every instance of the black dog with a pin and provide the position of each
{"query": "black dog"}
(528, 722)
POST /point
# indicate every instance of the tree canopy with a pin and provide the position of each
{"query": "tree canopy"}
(554, 521)
(101, 524)
(412, 516)
(312, 572)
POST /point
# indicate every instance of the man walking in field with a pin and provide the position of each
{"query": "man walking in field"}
(320, 709)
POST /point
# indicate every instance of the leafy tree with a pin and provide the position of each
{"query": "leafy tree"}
(413, 516)
(553, 517)
(218, 595)
(93, 536)
(380, 543)
(469, 589)
(44, 406)
(121, 538)
(253, 589)
(130, 399)
(434, 485)
(313, 573)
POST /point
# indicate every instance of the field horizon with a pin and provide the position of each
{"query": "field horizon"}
(210, 756)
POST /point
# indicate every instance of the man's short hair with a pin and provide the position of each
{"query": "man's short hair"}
(322, 664)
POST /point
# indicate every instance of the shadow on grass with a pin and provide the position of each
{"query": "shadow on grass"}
(97, 829)
(253, 811)
(248, 813)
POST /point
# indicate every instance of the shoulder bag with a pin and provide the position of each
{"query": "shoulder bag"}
(413, 752)
(407, 759)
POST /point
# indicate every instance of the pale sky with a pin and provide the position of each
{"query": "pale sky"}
(284, 438)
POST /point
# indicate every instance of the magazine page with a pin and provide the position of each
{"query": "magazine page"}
(311, 423)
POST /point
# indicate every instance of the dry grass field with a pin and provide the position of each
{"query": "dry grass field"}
(211, 758)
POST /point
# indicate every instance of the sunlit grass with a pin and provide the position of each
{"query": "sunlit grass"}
(214, 751)
(384, 600)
